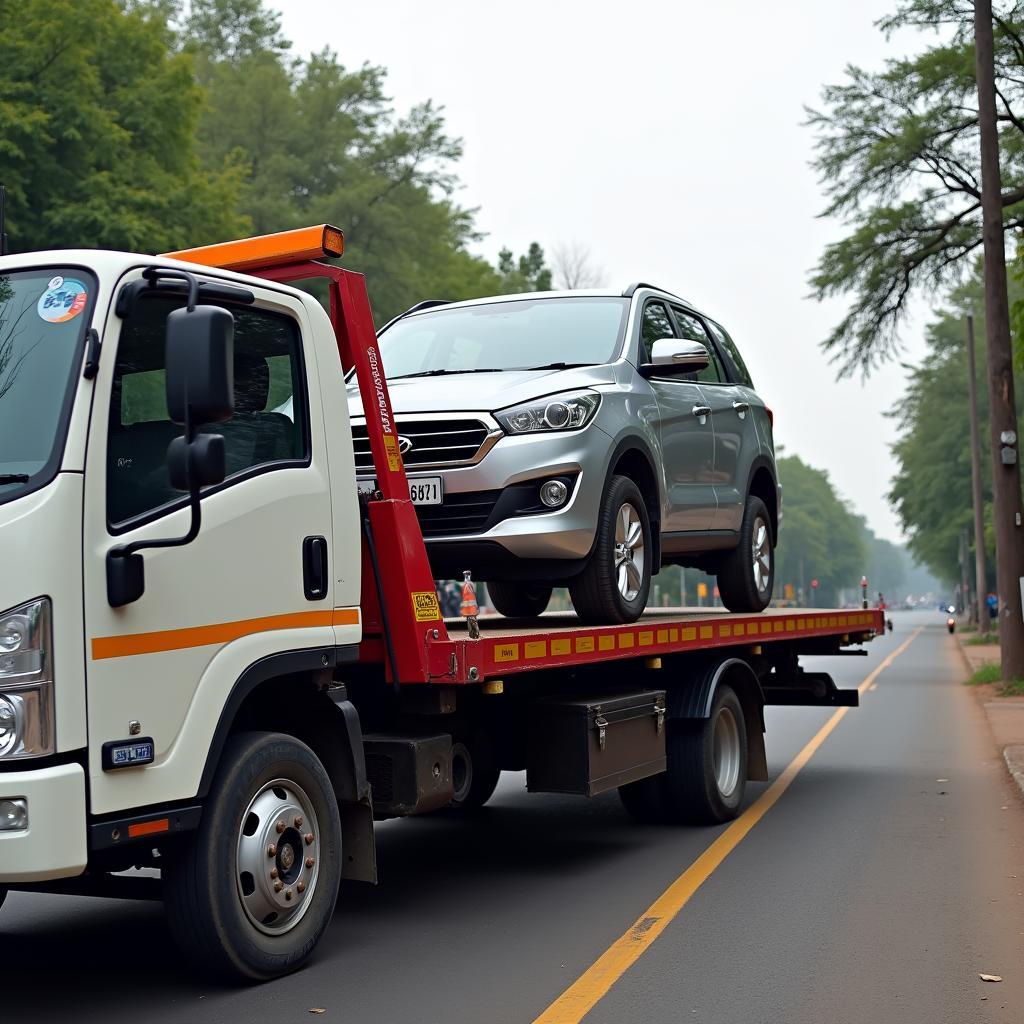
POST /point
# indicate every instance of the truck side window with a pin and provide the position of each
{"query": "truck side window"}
(690, 327)
(267, 430)
(654, 325)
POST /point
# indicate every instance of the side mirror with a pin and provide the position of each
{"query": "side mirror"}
(199, 464)
(675, 356)
(200, 366)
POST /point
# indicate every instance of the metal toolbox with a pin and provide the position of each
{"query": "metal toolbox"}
(592, 744)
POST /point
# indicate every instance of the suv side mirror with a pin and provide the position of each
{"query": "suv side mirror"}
(675, 356)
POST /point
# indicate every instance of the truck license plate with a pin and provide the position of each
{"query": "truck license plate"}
(424, 490)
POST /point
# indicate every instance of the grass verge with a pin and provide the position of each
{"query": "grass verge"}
(991, 672)
(983, 638)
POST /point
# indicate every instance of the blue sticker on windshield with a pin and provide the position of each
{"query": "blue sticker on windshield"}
(63, 300)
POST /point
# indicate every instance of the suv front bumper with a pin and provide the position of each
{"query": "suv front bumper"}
(54, 844)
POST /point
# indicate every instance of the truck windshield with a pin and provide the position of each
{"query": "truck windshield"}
(519, 334)
(43, 316)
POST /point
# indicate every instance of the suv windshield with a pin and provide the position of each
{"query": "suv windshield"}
(43, 316)
(509, 335)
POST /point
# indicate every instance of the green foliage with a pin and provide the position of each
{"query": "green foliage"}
(97, 120)
(984, 640)
(820, 537)
(527, 274)
(897, 152)
(988, 673)
(931, 490)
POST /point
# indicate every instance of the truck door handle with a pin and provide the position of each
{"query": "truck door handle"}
(702, 412)
(742, 408)
(314, 568)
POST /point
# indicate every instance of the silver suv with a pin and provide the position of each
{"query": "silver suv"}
(583, 439)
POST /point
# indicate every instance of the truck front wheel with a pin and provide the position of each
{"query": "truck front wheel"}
(253, 891)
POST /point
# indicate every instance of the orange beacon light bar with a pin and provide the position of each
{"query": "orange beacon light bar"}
(295, 246)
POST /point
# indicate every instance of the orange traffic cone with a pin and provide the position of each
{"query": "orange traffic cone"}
(470, 609)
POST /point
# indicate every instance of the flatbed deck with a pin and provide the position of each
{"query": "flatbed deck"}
(507, 646)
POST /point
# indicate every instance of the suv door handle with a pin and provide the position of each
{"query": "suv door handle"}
(702, 412)
(742, 408)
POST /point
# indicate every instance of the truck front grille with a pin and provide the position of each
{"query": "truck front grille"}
(441, 442)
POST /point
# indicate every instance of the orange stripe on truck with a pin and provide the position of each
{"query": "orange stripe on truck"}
(219, 633)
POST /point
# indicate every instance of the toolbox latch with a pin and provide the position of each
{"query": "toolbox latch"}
(602, 730)
(659, 711)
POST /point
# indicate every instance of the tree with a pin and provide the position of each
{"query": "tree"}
(820, 537)
(527, 274)
(320, 142)
(97, 124)
(573, 267)
(931, 490)
(898, 155)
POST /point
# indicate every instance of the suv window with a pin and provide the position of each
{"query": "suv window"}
(654, 325)
(690, 327)
(733, 353)
(267, 429)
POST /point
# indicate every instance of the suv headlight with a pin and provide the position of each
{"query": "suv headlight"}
(26, 681)
(570, 411)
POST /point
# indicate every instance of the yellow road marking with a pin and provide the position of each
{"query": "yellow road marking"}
(584, 993)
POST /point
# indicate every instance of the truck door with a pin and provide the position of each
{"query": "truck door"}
(238, 593)
(687, 440)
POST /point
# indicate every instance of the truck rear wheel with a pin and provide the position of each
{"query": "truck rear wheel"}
(474, 775)
(252, 893)
(707, 769)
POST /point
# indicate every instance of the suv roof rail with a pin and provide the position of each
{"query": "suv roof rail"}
(629, 292)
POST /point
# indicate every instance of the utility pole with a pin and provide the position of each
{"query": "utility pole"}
(1002, 406)
(965, 583)
(980, 579)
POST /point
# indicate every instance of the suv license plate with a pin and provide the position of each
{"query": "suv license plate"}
(424, 490)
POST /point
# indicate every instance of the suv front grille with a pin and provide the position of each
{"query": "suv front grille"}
(460, 513)
(447, 442)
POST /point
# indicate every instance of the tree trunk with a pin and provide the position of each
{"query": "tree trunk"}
(980, 579)
(1002, 407)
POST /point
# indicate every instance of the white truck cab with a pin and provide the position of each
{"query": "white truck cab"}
(115, 708)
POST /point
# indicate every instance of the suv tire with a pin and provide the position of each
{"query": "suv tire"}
(519, 600)
(614, 585)
(746, 579)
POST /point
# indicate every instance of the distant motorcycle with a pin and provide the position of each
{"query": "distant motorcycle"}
(951, 624)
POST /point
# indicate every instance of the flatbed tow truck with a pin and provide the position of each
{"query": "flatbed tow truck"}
(230, 681)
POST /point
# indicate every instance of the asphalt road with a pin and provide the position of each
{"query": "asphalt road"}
(884, 880)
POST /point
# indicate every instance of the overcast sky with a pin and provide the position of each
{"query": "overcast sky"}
(668, 138)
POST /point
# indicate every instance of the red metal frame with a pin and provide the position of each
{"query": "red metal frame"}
(408, 600)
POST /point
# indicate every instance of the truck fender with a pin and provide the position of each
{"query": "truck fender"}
(323, 719)
(696, 700)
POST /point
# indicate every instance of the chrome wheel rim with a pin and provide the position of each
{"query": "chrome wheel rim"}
(629, 552)
(277, 860)
(761, 552)
(726, 752)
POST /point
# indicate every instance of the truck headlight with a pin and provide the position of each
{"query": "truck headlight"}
(570, 411)
(26, 681)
